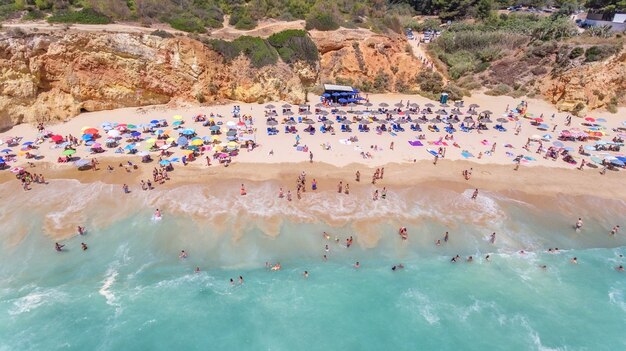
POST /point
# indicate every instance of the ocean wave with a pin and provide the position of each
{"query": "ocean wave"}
(36, 299)
(105, 289)
(616, 297)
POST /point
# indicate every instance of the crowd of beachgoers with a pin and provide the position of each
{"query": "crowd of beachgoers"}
(212, 138)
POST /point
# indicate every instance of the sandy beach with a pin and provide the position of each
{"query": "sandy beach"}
(276, 163)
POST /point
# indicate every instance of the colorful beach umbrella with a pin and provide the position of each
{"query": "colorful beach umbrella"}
(56, 138)
(92, 131)
(16, 169)
(69, 152)
(178, 117)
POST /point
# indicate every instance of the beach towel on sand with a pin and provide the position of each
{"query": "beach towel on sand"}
(415, 143)
(466, 154)
(393, 134)
(432, 152)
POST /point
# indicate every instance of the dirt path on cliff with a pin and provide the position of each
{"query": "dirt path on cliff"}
(263, 30)
(228, 32)
(421, 54)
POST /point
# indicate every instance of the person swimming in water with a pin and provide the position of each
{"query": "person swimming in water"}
(403, 233)
(357, 264)
(488, 258)
(157, 214)
(276, 267)
(58, 247)
(306, 274)
(470, 259)
(84, 246)
(232, 282)
(493, 238)
(438, 242)
(326, 236)
(574, 260)
(445, 237)
(240, 280)
(81, 230)
(619, 268)
(197, 270)
(183, 254)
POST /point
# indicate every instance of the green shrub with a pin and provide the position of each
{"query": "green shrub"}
(162, 34)
(382, 81)
(187, 23)
(500, 89)
(600, 52)
(258, 51)
(294, 45)
(43, 4)
(576, 52)
(33, 15)
(84, 16)
(323, 21)
(430, 82)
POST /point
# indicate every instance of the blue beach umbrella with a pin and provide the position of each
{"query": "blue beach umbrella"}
(154, 121)
(135, 134)
(6, 151)
(177, 123)
(160, 131)
(129, 147)
(601, 120)
(188, 132)
(326, 95)
(214, 128)
(2, 160)
(175, 159)
(164, 162)
(87, 137)
(182, 141)
(558, 144)
(28, 143)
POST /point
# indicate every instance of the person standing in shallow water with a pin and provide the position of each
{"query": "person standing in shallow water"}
(242, 190)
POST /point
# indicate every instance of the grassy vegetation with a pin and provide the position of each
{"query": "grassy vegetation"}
(294, 45)
(84, 16)
(257, 50)
(601, 52)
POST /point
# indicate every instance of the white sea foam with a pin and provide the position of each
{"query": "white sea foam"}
(105, 289)
(35, 299)
(616, 297)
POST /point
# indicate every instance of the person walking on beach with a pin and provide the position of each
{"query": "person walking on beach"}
(436, 159)
(615, 230)
(358, 176)
(382, 172)
(125, 188)
(347, 190)
(340, 187)
(314, 184)
(208, 161)
(242, 190)
(475, 194)
(582, 164)
(310, 156)
(288, 195)
(579, 224)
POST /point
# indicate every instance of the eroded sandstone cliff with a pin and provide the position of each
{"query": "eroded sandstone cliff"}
(55, 76)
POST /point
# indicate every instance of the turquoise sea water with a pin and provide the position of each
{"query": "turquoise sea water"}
(130, 291)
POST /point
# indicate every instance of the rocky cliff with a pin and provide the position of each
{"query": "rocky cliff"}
(55, 76)
(588, 87)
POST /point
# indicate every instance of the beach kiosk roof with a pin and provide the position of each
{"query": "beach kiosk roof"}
(338, 88)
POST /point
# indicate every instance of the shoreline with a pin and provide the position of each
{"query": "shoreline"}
(533, 180)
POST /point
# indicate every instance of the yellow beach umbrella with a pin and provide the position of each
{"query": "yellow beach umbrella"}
(169, 140)
(151, 141)
(178, 117)
(232, 144)
(215, 137)
(197, 142)
(187, 152)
